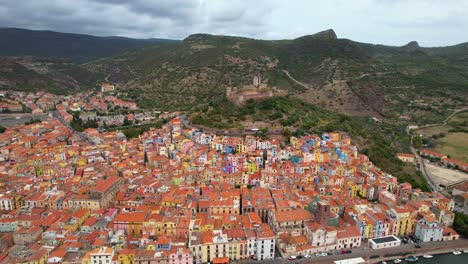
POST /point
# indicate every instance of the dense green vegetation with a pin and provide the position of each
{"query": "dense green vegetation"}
(32, 121)
(79, 125)
(379, 141)
(75, 47)
(460, 224)
(421, 85)
(135, 131)
(2, 129)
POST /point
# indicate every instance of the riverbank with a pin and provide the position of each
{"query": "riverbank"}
(378, 255)
(424, 250)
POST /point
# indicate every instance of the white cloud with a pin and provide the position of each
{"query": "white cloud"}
(393, 22)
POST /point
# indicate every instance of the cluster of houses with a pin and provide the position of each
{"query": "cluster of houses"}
(92, 102)
(38, 102)
(460, 165)
(182, 196)
(10, 105)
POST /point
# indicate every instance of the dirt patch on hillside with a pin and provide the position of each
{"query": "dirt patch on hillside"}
(337, 96)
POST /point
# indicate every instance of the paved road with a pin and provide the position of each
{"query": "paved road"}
(419, 159)
(420, 162)
(445, 120)
(454, 113)
(365, 252)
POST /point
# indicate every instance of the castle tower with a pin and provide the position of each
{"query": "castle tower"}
(323, 213)
(257, 80)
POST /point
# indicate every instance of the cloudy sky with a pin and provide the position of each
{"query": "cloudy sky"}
(391, 22)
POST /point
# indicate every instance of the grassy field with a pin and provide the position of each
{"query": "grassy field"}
(434, 130)
(460, 120)
(455, 145)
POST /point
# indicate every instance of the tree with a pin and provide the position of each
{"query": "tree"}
(460, 223)
(91, 123)
(2, 129)
(76, 123)
(32, 121)
(417, 141)
(127, 122)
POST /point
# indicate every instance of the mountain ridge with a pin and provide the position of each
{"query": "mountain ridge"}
(77, 48)
(339, 74)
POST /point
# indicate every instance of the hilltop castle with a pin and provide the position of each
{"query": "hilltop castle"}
(257, 90)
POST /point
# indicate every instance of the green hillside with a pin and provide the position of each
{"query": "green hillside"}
(78, 48)
(45, 74)
(420, 84)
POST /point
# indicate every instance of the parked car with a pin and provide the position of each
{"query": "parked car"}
(292, 258)
(349, 251)
(299, 257)
(417, 246)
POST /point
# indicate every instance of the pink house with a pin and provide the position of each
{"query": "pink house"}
(180, 255)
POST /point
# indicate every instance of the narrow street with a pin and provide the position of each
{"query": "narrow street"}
(420, 163)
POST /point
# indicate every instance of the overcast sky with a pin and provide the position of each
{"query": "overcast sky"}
(391, 22)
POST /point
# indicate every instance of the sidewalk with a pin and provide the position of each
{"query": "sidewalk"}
(402, 251)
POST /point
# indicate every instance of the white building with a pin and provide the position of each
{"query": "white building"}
(265, 242)
(428, 229)
(260, 240)
(348, 238)
(384, 242)
(102, 255)
(5, 202)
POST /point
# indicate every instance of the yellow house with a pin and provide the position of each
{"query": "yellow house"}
(241, 148)
(39, 258)
(131, 223)
(293, 141)
(403, 220)
(81, 161)
(126, 256)
(353, 189)
(203, 223)
(209, 245)
(86, 258)
(369, 230)
(169, 226)
(80, 216)
(340, 170)
(151, 246)
(252, 167)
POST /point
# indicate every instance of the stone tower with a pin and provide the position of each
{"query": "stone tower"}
(323, 213)
(257, 80)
